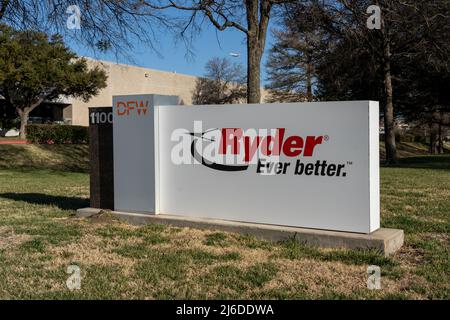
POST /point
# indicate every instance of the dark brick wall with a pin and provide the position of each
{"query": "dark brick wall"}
(101, 158)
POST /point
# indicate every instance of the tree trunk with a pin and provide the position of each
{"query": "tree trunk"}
(258, 15)
(389, 125)
(23, 114)
(309, 71)
(440, 140)
(253, 70)
(433, 138)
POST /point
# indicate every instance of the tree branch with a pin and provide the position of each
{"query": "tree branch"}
(209, 13)
(3, 8)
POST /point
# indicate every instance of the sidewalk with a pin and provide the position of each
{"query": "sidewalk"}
(13, 141)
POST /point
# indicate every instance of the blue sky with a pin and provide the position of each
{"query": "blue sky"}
(172, 57)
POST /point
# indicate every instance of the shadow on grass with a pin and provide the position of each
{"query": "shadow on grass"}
(62, 202)
(424, 162)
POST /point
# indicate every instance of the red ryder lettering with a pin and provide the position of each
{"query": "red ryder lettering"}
(292, 146)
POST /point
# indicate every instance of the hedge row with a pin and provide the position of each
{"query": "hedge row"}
(57, 134)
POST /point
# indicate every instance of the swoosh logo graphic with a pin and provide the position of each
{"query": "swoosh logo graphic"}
(216, 166)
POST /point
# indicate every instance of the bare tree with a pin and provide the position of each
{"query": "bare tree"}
(404, 31)
(223, 83)
(106, 25)
(250, 17)
(299, 45)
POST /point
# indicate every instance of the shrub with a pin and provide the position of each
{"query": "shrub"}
(57, 134)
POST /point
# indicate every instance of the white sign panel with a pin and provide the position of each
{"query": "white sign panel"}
(313, 165)
(135, 145)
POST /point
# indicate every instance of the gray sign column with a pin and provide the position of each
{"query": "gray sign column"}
(135, 159)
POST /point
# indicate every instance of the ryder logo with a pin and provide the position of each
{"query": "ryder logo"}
(235, 149)
(232, 139)
(137, 107)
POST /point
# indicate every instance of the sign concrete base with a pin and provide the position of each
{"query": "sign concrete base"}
(387, 241)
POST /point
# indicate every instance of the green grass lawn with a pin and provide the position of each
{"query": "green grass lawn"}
(56, 157)
(40, 237)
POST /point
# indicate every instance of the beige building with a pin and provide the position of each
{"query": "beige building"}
(126, 79)
(122, 80)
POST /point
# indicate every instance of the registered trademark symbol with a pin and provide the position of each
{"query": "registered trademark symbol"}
(326, 137)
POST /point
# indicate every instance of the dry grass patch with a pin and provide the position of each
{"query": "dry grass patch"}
(90, 250)
(9, 239)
